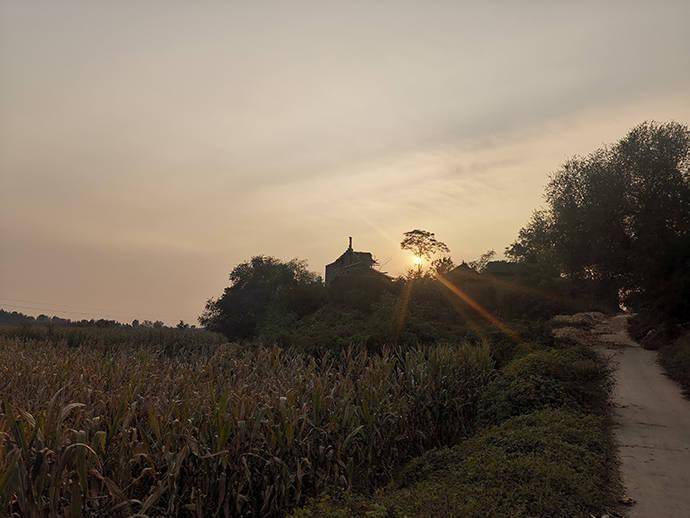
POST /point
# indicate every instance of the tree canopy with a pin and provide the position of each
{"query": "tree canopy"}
(261, 288)
(423, 244)
(619, 216)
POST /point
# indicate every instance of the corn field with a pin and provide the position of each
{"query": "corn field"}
(170, 338)
(218, 430)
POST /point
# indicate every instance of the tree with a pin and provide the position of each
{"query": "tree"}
(262, 289)
(619, 217)
(480, 264)
(423, 245)
(442, 265)
(536, 244)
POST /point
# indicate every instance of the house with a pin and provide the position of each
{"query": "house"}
(464, 271)
(350, 263)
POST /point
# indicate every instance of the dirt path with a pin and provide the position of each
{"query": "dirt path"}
(653, 426)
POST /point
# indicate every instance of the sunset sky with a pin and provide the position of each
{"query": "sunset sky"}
(148, 147)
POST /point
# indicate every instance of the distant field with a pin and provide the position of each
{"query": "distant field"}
(110, 336)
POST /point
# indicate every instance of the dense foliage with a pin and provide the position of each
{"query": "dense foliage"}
(262, 289)
(281, 303)
(620, 218)
(170, 339)
(545, 452)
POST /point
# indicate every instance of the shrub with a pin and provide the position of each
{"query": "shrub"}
(572, 377)
(550, 463)
(675, 358)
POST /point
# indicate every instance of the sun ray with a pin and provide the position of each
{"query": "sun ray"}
(478, 308)
(401, 309)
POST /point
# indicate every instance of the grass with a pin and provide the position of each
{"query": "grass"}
(572, 378)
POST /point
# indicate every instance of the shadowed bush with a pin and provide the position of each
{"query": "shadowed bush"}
(572, 378)
(675, 358)
(550, 463)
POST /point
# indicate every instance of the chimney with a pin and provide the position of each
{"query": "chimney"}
(350, 247)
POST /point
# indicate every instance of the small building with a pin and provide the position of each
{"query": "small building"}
(350, 263)
(464, 271)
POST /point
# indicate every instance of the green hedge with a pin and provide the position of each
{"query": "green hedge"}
(549, 463)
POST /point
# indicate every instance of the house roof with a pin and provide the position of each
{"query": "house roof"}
(463, 269)
(352, 258)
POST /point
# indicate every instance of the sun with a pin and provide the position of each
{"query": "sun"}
(417, 260)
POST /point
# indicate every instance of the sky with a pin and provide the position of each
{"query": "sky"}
(148, 147)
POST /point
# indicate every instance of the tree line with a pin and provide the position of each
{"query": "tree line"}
(620, 217)
(615, 224)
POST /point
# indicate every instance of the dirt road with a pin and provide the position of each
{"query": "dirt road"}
(653, 426)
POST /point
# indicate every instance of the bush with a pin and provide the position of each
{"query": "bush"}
(572, 377)
(675, 358)
(550, 463)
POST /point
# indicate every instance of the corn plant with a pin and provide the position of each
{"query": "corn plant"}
(218, 430)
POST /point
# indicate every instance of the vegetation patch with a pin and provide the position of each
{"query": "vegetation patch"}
(572, 378)
(549, 463)
(675, 358)
(546, 450)
(224, 430)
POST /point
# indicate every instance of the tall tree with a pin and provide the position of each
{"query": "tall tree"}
(619, 216)
(262, 287)
(423, 245)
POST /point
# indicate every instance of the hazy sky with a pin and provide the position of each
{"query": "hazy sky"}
(147, 147)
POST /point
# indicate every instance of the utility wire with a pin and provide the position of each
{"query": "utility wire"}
(91, 313)
(61, 305)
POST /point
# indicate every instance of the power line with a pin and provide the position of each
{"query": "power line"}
(91, 313)
(14, 306)
(61, 305)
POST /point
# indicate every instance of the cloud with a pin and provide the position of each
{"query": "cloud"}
(193, 138)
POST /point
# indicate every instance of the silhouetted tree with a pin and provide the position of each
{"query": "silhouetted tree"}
(423, 245)
(480, 264)
(619, 217)
(263, 288)
(442, 265)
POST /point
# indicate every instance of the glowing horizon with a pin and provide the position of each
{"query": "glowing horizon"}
(146, 149)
